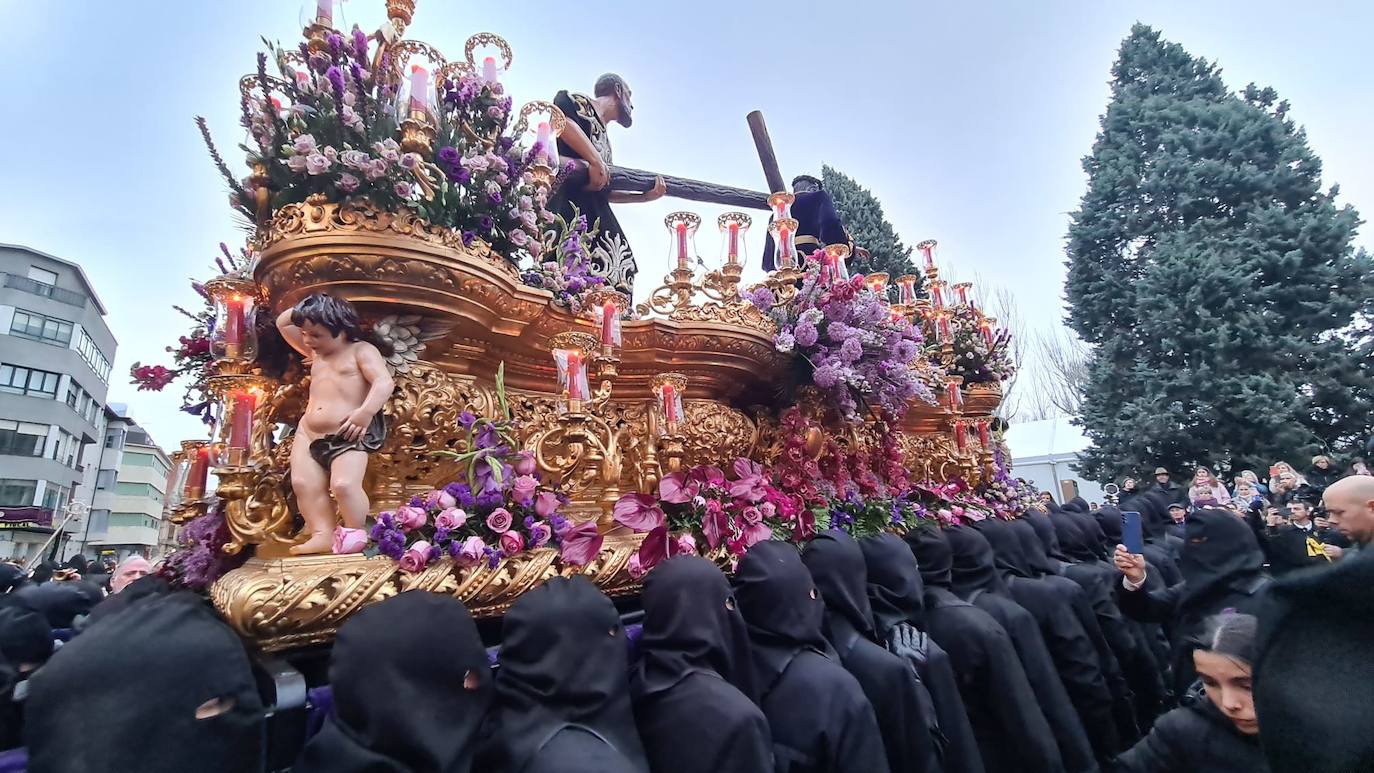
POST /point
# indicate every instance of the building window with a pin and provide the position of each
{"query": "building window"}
(55, 496)
(114, 439)
(17, 493)
(80, 400)
(66, 448)
(18, 438)
(140, 460)
(93, 356)
(39, 327)
(99, 523)
(42, 275)
(106, 479)
(28, 381)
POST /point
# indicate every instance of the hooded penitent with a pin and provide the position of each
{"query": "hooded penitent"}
(693, 688)
(896, 594)
(817, 712)
(977, 579)
(837, 566)
(562, 691)
(400, 706)
(60, 602)
(1010, 727)
(164, 687)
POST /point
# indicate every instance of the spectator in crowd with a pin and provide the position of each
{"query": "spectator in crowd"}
(1295, 545)
(129, 570)
(897, 595)
(164, 687)
(1177, 514)
(817, 712)
(836, 564)
(1222, 567)
(1129, 486)
(1333, 542)
(1291, 486)
(1322, 473)
(694, 671)
(1349, 505)
(1216, 730)
(1359, 467)
(1166, 485)
(26, 643)
(563, 692)
(1253, 479)
(398, 707)
(12, 576)
(1207, 491)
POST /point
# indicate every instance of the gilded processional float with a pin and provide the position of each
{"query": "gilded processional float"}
(533, 420)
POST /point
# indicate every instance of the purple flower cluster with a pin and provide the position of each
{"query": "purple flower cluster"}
(857, 351)
(567, 269)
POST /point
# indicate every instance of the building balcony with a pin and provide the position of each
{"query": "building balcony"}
(34, 287)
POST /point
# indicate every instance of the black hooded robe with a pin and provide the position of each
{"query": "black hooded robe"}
(562, 691)
(1075, 658)
(693, 688)
(975, 579)
(837, 566)
(407, 711)
(817, 712)
(1222, 569)
(1012, 731)
(897, 595)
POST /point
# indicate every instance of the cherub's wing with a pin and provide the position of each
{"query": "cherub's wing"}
(407, 334)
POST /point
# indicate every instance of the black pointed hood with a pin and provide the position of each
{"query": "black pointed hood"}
(1046, 534)
(895, 589)
(837, 566)
(407, 710)
(1220, 553)
(1072, 540)
(692, 624)
(974, 567)
(1008, 554)
(563, 664)
(781, 607)
(1031, 546)
(934, 557)
(1076, 505)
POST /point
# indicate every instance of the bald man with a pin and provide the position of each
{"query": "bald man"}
(1350, 510)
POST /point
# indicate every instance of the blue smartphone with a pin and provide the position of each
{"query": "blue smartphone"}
(1131, 536)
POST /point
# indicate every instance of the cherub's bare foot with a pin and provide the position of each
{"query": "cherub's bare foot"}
(319, 542)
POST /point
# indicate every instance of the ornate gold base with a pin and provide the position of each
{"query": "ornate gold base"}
(284, 603)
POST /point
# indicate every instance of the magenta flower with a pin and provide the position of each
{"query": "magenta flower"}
(416, 558)
(451, 518)
(655, 548)
(522, 489)
(540, 534)
(512, 542)
(499, 521)
(675, 488)
(411, 517)
(524, 463)
(580, 543)
(715, 524)
(639, 512)
(472, 551)
(546, 504)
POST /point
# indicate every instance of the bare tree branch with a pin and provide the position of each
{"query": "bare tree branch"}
(1063, 361)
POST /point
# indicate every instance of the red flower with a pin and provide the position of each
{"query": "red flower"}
(151, 378)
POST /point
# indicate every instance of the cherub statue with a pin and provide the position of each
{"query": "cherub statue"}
(343, 423)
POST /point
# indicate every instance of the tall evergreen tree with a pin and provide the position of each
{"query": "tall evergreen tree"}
(862, 216)
(1217, 283)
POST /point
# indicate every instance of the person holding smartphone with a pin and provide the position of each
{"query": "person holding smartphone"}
(1222, 567)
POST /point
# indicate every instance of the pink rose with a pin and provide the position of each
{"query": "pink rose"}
(499, 521)
(546, 504)
(438, 500)
(411, 517)
(540, 534)
(752, 516)
(523, 488)
(512, 543)
(471, 551)
(768, 509)
(451, 518)
(416, 558)
(686, 544)
(524, 463)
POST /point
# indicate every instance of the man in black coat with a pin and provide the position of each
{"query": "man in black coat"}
(906, 722)
(1296, 545)
(1078, 661)
(1013, 733)
(1164, 485)
(897, 595)
(974, 578)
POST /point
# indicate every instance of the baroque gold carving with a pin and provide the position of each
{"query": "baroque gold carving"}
(302, 601)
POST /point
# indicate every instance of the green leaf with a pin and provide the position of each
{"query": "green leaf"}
(501, 389)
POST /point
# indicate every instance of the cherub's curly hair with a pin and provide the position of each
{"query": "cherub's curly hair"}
(337, 316)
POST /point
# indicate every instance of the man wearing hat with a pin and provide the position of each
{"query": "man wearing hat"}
(1171, 490)
(1177, 514)
(818, 222)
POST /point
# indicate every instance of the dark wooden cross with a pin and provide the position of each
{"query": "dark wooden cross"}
(639, 181)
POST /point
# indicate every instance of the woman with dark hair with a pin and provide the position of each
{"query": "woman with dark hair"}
(397, 707)
(816, 710)
(1216, 730)
(1222, 567)
(694, 675)
(563, 691)
(906, 721)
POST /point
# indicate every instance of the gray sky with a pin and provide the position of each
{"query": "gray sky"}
(967, 119)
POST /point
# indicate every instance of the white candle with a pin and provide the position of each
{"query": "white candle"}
(324, 13)
(419, 88)
(489, 69)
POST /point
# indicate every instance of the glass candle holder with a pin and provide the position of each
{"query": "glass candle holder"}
(942, 329)
(839, 257)
(781, 204)
(176, 479)
(961, 292)
(234, 335)
(603, 308)
(197, 470)
(961, 435)
(733, 226)
(235, 411)
(985, 326)
(877, 282)
(784, 233)
(545, 143)
(668, 389)
(419, 99)
(984, 433)
(906, 289)
(953, 395)
(682, 229)
(927, 250)
(571, 351)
